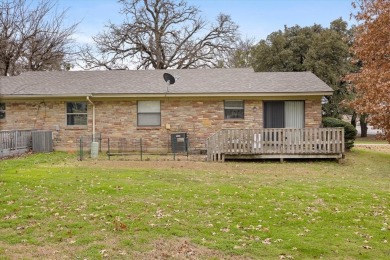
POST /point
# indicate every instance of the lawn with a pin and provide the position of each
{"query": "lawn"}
(53, 206)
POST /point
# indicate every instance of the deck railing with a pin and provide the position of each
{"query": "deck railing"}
(14, 140)
(275, 141)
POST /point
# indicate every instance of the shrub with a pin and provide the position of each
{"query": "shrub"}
(349, 130)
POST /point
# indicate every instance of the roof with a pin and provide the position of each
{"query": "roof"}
(150, 82)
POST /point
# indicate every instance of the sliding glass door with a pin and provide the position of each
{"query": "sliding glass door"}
(284, 114)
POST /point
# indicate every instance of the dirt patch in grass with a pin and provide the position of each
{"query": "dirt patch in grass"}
(383, 148)
(161, 165)
(161, 249)
(226, 169)
(370, 139)
(182, 249)
(28, 251)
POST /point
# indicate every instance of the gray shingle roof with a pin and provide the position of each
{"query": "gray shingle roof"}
(195, 81)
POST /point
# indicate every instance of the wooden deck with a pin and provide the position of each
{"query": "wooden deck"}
(276, 143)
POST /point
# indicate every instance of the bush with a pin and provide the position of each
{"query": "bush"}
(349, 130)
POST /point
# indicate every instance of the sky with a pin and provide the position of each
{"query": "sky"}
(256, 18)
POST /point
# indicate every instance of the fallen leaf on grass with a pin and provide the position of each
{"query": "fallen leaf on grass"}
(160, 214)
(267, 241)
(103, 252)
(122, 253)
(13, 216)
(118, 187)
(226, 230)
(186, 249)
(119, 225)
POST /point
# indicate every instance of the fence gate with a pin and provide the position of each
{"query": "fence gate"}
(42, 141)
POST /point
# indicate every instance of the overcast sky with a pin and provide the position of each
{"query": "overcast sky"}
(256, 18)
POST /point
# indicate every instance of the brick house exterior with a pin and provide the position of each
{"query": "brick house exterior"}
(39, 101)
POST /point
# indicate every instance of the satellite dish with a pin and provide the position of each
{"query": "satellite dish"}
(169, 78)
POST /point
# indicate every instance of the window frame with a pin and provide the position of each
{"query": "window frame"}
(284, 114)
(78, 113)
(3, 110)
(139, 114)
(225, 108)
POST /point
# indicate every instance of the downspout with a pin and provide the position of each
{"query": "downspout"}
(93, 118)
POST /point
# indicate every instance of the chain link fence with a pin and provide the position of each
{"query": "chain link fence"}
(178, 147)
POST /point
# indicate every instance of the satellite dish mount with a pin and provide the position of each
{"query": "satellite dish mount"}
(169, 79)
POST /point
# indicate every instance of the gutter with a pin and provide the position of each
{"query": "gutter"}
(219, 94)
(93, 119)
(222, 94)
(170, 94)
(42, 96)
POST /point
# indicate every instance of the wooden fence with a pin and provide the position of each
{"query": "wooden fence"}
(14, 142)
(276, 143)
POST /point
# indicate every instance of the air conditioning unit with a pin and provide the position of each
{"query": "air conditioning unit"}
(42, 141)
(179, 142)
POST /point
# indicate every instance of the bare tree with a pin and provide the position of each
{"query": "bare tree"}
(238, 57)
(160, 34)
(33, 37)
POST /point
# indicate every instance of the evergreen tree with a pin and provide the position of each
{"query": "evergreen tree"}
(324, 51)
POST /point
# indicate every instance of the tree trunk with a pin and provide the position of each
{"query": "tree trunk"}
(363, 125)
(6, 68)
(353, 119)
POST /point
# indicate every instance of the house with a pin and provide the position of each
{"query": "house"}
(140, 104)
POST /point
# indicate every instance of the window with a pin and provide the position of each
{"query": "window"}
(149, 113)
(284, 114)
(76, 113)
(2, 111)
(234, 109)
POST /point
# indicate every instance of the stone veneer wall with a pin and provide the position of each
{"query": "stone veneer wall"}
(313, 113)
(45, 115)
(117, 119)
(199, 119)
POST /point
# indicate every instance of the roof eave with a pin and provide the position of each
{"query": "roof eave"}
(170, 94)
(220, 94)
(63, 96)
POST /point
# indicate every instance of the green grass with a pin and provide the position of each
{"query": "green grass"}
(54, 206)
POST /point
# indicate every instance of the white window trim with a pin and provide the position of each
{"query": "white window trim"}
(234, 108)
(148, 113)
(67, 114)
